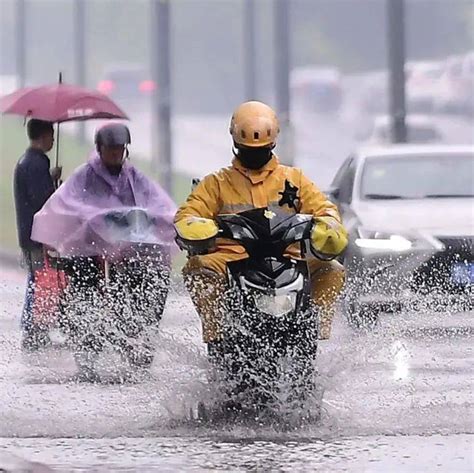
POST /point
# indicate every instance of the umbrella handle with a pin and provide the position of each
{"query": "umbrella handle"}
(57, 146)
(60, 81)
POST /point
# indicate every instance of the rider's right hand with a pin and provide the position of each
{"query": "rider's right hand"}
(196, 228)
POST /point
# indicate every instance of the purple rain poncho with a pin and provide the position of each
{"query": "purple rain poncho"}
(72, 220)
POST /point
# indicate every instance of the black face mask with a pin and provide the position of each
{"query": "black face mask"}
(254, 158)
(115, 169)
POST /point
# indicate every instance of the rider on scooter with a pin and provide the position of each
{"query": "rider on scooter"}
(111, 227)
(107, 182)
(256, 179)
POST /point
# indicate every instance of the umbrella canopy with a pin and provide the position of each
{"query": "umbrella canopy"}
(60, 103)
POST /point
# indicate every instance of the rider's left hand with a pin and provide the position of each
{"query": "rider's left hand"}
(328, 236)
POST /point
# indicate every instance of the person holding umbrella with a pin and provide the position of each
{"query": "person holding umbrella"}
(33, 184)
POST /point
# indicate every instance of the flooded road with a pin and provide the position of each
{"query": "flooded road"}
(398, 399)
(366, 454)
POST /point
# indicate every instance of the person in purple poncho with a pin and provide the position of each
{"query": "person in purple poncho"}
(71, 222)
(112, 228)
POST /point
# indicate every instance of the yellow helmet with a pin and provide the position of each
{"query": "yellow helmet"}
(254, 124)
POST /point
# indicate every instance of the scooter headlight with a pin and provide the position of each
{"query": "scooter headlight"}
(276, 305)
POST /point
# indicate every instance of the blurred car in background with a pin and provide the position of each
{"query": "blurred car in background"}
(409, 212)
(456, 90)
(420, 129)
(130, 85)
(374, 93)
(8, 84)
(315, 89)
(422, 85)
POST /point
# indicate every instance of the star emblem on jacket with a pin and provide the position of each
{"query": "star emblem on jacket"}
(289, 196)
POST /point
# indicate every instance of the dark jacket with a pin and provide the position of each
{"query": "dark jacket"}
(32, 185)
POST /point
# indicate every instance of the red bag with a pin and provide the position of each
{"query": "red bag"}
(49, 284)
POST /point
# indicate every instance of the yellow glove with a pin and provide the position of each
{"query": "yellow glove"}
(328, 236)
(196, 228)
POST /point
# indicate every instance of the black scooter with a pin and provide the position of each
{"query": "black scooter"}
(270, 324)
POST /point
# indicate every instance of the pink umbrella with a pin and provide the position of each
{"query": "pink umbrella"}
(59, 103)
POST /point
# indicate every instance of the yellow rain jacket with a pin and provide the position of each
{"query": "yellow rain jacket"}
(235, 189)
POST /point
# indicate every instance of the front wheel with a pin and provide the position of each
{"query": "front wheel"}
(138, 353)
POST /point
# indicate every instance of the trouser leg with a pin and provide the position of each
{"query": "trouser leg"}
(327, 281)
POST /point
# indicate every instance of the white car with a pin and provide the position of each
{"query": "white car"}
(316, 89)
(409, 211)
(456, 91)
(421, 129)
(422, 85)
